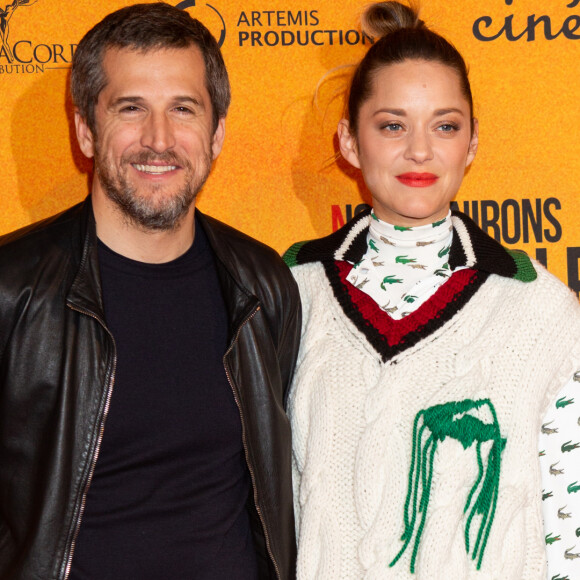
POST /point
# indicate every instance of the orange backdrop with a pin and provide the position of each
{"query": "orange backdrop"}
(276, 178)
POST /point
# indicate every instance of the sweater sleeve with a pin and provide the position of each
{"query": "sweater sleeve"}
(559, 449)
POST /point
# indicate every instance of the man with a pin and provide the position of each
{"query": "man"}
(146, 349)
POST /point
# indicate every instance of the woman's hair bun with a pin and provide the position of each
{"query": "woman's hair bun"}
(383, 18)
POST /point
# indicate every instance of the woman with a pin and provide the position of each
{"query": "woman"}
(429, 352)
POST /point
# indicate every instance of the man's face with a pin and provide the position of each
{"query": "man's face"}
(154, 143)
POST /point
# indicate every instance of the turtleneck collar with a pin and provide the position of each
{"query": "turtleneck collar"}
(403, 236)
(403, 266)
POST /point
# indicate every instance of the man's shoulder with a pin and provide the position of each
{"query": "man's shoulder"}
(27, 247)
(256, 266)
(229, 234)
(39, 232)
(231, 244)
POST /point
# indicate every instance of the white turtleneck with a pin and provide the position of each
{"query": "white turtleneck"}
(403, 266)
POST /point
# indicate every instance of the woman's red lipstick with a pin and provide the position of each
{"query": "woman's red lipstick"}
(417, 179)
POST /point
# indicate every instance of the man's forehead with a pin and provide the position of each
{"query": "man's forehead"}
(115, 53)
(154, 69)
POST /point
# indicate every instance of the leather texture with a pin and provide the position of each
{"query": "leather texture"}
(57, 365)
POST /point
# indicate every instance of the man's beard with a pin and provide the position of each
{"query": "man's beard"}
(164, 213)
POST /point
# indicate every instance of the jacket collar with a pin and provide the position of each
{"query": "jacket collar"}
(239, 300)
(471, 247)
(85, 293)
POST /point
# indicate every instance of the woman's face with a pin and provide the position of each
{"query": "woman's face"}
(414, 141)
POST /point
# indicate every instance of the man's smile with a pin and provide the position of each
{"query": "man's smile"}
(154, 169)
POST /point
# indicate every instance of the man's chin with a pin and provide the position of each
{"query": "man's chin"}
(153, 213)
(151, 206)
(158, 218)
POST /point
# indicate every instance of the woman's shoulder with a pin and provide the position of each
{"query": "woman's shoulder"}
(345, 244)
(550, 287)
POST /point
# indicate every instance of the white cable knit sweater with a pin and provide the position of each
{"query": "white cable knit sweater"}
(435, 416)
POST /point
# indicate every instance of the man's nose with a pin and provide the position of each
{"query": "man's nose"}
(158, 133)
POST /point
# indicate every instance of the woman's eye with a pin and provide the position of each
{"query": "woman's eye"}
(448, 127)
(392, 127)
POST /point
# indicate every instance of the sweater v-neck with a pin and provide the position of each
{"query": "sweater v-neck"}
(478, 255)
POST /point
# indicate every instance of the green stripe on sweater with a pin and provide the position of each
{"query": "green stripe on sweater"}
(525, 269)
(291, 254)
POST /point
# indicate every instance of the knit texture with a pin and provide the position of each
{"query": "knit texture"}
(471, 247)
(415, 441)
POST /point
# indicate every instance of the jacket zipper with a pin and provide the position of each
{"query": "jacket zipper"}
(72, 546)
(244, 443)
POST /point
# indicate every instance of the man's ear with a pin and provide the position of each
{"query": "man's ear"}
(347, 143)
(217, 141)
(473, 143)
(84, 135)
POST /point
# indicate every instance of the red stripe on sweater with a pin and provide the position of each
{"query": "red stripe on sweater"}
(394, 331)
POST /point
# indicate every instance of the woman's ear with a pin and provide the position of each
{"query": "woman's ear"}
(347, 143)
(473, 143)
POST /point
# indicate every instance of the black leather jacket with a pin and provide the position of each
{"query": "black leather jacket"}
(57, 372)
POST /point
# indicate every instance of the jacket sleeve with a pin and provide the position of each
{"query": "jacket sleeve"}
(289, 335)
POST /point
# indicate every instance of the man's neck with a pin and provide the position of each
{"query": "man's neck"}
(136, 243)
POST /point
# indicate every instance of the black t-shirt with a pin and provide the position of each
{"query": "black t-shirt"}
(169, 492)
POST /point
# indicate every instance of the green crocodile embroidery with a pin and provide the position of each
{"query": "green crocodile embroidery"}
(374, 216)
(404, 260)
(558, 577)
(569, 446)
(573, 487)
(551, 539)
(542, 453)
(444, 251)
(431, 426)
(546, 495)
(373, 246)
(578, 532)
(403, 229)
(390, 280)
(562, 402)
(439, 223)
(410, 299)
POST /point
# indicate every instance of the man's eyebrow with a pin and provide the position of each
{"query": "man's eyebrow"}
(191, 100)
(140, 100)
(128, 99)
